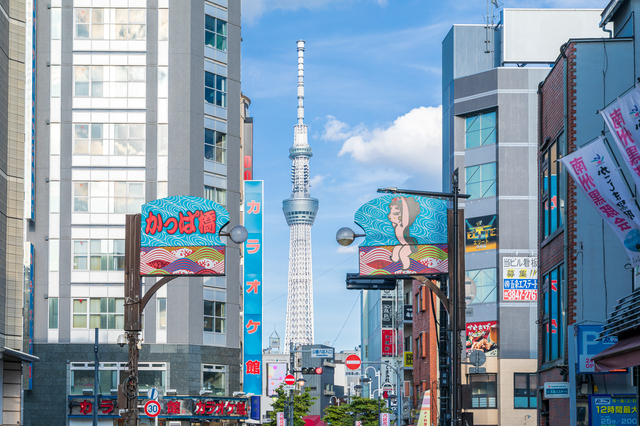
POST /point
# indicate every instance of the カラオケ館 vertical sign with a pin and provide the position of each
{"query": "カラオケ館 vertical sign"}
(180, 237)
(253, 259)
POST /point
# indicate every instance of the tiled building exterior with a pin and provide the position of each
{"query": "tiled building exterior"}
(130, 94)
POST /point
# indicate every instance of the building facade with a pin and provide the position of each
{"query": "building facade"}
(490, 134)
(130, 94)
(584, 269)
(13, 285)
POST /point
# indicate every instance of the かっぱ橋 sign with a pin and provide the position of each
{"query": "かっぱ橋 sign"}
(179, 236)
(403, 235)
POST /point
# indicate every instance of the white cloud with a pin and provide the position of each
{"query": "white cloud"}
(411, 143)
(316, 181)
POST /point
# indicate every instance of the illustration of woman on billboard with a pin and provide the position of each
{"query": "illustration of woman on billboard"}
(403, 211)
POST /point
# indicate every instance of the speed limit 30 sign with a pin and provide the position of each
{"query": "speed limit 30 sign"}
(152, 408)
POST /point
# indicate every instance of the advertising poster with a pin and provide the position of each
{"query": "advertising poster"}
(276, 373)
(612, 410)
(597, 176)
(520, 278)
(388, 343)
(481, 233)
(403, 235)
(483, 336)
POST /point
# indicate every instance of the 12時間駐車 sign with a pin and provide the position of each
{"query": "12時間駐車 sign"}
(180, 236)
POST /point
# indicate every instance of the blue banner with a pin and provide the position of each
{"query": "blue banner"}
(253, 261)
(524, 284)
(612, 410)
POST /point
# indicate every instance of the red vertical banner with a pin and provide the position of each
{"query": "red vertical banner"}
(388, 342)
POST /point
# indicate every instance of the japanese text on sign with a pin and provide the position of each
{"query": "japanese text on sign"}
(520, 278)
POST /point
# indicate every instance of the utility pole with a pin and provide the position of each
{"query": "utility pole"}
(96, 366)
(454, 299)
(292, 370)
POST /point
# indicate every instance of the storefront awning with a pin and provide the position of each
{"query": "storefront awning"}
(8, 354)
(624, 354)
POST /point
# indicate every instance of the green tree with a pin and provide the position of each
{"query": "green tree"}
(302, 403)
(363, 409)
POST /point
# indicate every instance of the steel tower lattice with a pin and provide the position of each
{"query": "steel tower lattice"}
(300, 211)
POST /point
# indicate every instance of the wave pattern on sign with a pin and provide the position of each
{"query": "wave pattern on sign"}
(182, 260)
(429, 259)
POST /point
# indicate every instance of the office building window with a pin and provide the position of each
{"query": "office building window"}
(101, 81)
(553, 321)
(110, 24)
(480, 130)
(82, 377)
(217, 195)
(486, 285)
(525, 390)
(53, 313)
(108, 139)
(215, 146)
(150, 375)
(106, 313)
(215, 33)
(214, 379)
(552, 186)
(108, 197)
(481, 180)
(215, 312)
(483, 390)
(98, 255)
(215, 89)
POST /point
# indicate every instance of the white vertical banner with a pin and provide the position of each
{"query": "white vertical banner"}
(385, 419)
(280, 418)
(596, 175)
(623, 119)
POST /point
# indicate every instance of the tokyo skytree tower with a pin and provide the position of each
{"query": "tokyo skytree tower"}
(300, 211)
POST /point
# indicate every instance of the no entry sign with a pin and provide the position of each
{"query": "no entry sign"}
(353, 362)
(289, 379)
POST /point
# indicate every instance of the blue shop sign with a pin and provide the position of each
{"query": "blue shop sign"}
(612, 410)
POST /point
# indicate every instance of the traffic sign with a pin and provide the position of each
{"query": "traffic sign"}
(289, 379)
(353, 362)
(322, 353)
(152, 408)
(153, 394)
(289, 387)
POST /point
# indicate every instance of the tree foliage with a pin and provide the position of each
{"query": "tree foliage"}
(302, 403)
(363, 409)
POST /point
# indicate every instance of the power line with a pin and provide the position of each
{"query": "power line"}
(345, 321)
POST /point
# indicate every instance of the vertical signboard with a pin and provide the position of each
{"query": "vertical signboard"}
(253, 260)
(588, 347)
(388, 342)
(520, 278)
(29, 367)
(387, 313)
(481, 233)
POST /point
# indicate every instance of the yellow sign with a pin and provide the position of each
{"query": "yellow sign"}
(408, 359)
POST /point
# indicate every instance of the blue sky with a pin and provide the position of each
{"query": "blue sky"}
(372, 104)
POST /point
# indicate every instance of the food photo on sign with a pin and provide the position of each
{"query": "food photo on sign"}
(483, 336)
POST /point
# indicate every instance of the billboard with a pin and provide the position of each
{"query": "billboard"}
(179, 236)
(388, 342)
(481, 233)
(483, 336)
(276, 372)
(387, 313)
(612, 410)
(588, 347)
(253, 266)
(403, 235)
(520, 278)
(521, 29)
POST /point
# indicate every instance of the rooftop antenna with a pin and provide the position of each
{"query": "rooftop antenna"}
(490, 22)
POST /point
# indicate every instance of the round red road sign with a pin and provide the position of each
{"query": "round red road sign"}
(152, 408)
(353, 362)
(289, 379)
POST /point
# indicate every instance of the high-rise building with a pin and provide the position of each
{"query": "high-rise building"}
(14, 351)
(136, 100)
(300, 211)
(490, 78)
